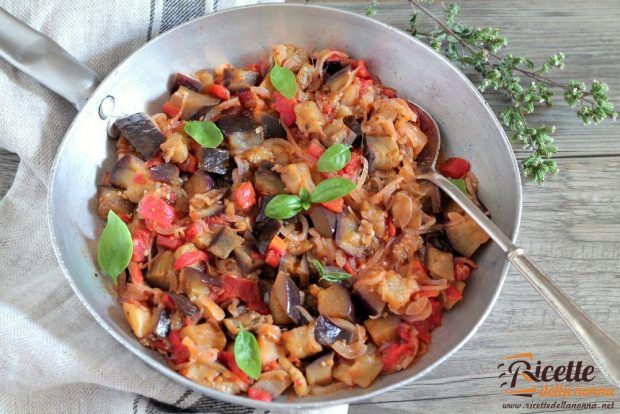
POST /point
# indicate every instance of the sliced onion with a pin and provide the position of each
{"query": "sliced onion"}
(355, 349)
(294, 235)
(386, 191)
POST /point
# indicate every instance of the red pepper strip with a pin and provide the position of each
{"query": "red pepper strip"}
(156, 210)
(362, 70)
(453, 294)
(189, 258)
(228, 359)
(272, 258)
(285, 108)
(393, 354)
(352, 169)
(244, 289)
(315, 150)
(135, 273)
(142, 241)
(461, 271)
(336, 205)
(436, 317)
(259, 394)
(170, 110)
(169, 242)
(219, 91)
(454, 167)
(424, 333)
(245, 196)
(179, 352)
(276, 249)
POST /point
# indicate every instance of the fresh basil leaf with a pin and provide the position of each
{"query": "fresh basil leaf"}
(334, 158)
(115, 246)
(319, 267)
(247, 354)
(284, 81)
(206, 133)
(460, 184)
(331, 189)
(304, 195)
(335, 277)
(283, 206)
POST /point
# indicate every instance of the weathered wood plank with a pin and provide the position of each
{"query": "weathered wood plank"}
(586, 32)
(8, 167)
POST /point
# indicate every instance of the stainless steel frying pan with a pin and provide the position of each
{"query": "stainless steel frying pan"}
(240, 36)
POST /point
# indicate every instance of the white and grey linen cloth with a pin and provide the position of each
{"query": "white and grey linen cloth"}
(54, 357)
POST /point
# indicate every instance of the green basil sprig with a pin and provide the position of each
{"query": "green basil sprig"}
(284, 81)
(460, 184)
(284, 206)
(333, 275)
(247, 354)
(206, 133)
(115, 246)
(334, 158)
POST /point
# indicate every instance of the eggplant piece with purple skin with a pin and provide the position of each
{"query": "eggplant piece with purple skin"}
(187, 81)
(337, 81)
(240, 131)
(243, 256)
(200, 182)
(261, 216)
(162, 329)
(186, 306)
(130, 173)
(267, 182)
(323, 220)
(226, 241)
(142, 134)
(367, 302)
(206, 113)
(347, 235)
(326, 332)
(264, 232)
(272, 128)
(215, 160)
(287, 295)
(165, 173)
(236, 79)
(111, 198)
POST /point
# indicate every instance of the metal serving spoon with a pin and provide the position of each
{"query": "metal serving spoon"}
(604, 350)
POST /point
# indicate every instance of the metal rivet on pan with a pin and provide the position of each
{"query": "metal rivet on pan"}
(106, 107)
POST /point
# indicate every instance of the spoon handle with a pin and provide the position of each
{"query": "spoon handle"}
(604, 350)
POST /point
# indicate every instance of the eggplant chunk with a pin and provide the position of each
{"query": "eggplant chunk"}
(110, 198)
(245, 260)
(140, 319)
(187, 81)
(208, 335)
(163, 324)
(296, 176)
(225, 243)
(347, 235)
(215, 160)
(319, 371)
(273, 382)
(199, 183)
(272, 128)
(191, 101)
(268, 183)
(439, 263)
(186, 306)
(327, 332)
(335, 301)
(240, 131)
(161, 265)
(194, 283)
(369, 299)
(465, 235)
(166, 173)
(300, 342)
(236, 79)
(265, 231)
(339, 79)
(323, 220)
(142, 133)
(337, 132)
(131, 174)
(382, 152)
(383, 330)
(287, 294)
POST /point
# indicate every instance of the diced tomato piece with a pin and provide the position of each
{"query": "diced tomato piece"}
(389, 92)
(365, 85)
(259, 394)
(244, 289)
(336, 205)
(390, 227)
(454, 167)
(394, 354)
(142, 241)
(272, 258)
(178, 350)
(453, 294)
(190, 165)
(247, 99)
(135, 273)
(194, 230)
(245, 196)
(285, 107)
(228, 359)
(352, 169)
(461, 272)
(219, 91)
(436, 317)
(156, 210)
(315, 150)
(424, 333)
(362, 70)
(404, 332)
(171, 110)
(189, 258)
(169, 242)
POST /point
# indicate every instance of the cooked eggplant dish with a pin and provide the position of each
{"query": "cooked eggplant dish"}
(266, 232)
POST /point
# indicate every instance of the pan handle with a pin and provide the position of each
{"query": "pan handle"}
(44, 60)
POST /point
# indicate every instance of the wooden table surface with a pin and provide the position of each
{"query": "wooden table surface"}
(570, 226)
